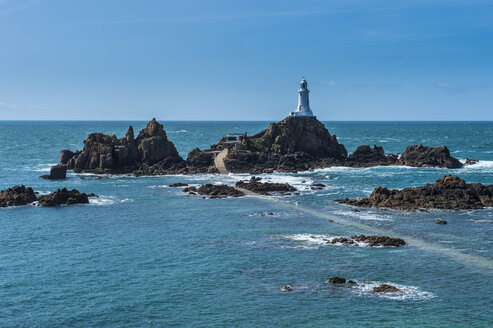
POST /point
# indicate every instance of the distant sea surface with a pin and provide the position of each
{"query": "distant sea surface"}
(146, 255)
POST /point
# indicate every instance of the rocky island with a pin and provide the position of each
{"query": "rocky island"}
(22, 195)
(447, 193)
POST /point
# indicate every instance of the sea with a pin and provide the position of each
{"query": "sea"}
(143, 254)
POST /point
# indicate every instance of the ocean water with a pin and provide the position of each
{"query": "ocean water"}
(146, 255)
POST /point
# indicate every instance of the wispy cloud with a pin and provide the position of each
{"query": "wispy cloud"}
(330, 84)
(8, 7)
(460, 87)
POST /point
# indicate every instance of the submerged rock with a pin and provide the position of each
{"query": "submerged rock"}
(57, 172)
(438, 221)
(336, 280)
(287, 288)
(371, 241)
(178, 184)
(384, 288)
(422, 156)
(219, 191)
(17, 196)
(264, 188)
(64, 197)
(471, 161)
(448, 192)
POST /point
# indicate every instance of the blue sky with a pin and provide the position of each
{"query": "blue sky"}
(243, 60)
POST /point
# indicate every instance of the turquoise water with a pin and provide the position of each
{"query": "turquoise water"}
(144, 255)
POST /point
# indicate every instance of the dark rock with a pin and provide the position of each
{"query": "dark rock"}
(255, 185)
(17, 196)
(64, 197)
(380, 241)
(471, 161)
(190, 189)
(449, 192)
(57, 172)
(317, 186)
(384, 288)
(178, 184)
(422, 156)
(364, 156)
(336, 280)
(150, 153)
(438, 221)
(219, 191)
(350, 282)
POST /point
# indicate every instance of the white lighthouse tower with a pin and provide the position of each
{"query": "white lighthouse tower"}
(303, 101)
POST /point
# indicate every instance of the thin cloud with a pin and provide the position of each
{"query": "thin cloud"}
(460, 87)
(330, 84)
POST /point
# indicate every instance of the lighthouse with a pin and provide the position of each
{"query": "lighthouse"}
(303, 101)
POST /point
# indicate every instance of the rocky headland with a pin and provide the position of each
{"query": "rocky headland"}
(447, 193)
(291, 145)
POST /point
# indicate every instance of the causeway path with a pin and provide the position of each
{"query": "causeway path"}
(219, 162)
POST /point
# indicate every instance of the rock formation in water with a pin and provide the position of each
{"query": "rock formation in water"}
(64, 197)
(219, 191)
(294, 144)
(450, 193)
(384, 288)
(422, 156)
(149, 153)
(371, 241)
(364, 156)
(57, 172)
(264, 188)
(17, 196)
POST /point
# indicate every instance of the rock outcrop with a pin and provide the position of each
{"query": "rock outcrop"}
(372, 241)
(64, 197)
(219, 191)
(17, 196)
(384, 288)
(150, 153)
(364, 156)
(422, 156)
(450, 193)
(264, 188)
(294, 144)
(57, 172)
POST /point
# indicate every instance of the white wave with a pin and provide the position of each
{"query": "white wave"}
(40, 167)
(106, 200)
(479, 165)
(481, 221)
(178, 131)
(318, 240)
(406, 292)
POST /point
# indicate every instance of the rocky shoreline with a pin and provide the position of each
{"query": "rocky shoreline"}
(447, 193)
(291, 145)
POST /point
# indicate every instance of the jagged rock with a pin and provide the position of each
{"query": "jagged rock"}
(422, 156)
(471, 161)
(57, 172)
(178, 184)
(336, 280)
(63, 197)
(364, 156)
(380, 241)
(449, 192)
(200, 161)
(371, 241)
(384, 288)
(150, 153)
(219, 191)
(17, 196)
(265, 188)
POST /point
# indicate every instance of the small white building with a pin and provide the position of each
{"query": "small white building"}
(303, 101)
